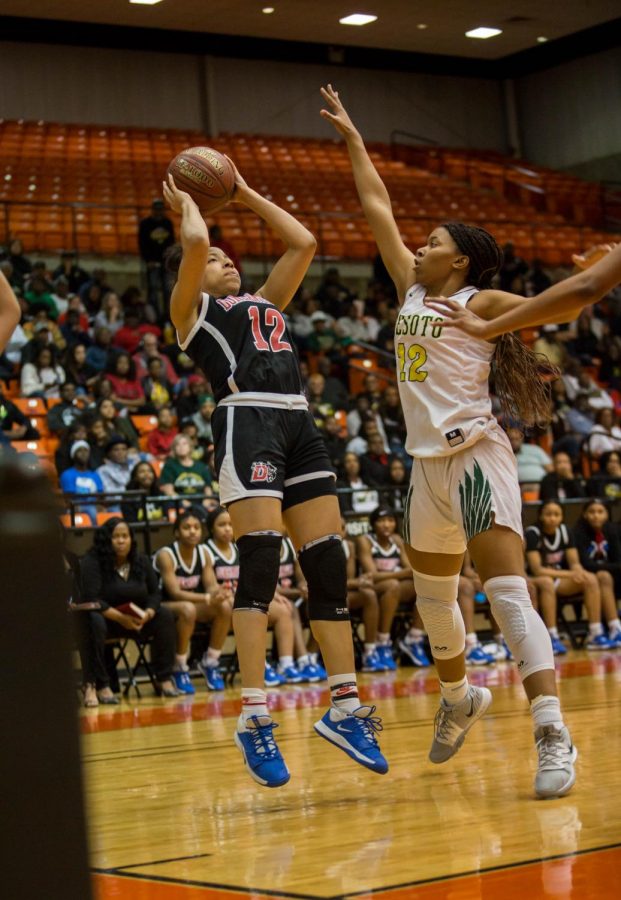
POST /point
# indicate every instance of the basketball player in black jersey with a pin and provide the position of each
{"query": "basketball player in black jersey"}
(272, 466)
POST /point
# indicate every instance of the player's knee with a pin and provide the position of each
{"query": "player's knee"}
(325, 569)
(187, 613)
(591, 581)
(604, 578)
(509, 602)
(390, 587)
(259, 562)
(369, 597)
(436, 602)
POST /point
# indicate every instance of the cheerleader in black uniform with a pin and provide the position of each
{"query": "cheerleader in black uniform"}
(272, 466)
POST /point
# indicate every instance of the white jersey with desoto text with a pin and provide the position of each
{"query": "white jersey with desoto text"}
(443, 379)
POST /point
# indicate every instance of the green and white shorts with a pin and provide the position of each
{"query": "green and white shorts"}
(453, 498)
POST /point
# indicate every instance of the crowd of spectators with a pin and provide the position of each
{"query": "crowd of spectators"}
(104, 363)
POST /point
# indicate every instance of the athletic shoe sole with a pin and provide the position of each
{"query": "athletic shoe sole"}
(540, 795)
(253, 774)
(343, 744)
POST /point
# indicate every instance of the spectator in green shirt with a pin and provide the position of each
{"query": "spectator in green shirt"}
(183, 475)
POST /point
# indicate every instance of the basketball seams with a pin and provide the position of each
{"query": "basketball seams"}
(206, 175)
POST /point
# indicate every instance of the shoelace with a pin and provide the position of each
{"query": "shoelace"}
(553, 752)
(263, 739)
(370, 725)
(443, 725)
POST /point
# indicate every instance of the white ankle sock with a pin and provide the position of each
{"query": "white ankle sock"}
(454, 691)
(383, 638)
(369, 648)
(553, 632)
(344, 693)
(284, 662)
(303, 661)
(254, 703)
(471, 639)
(546, 710)
(181, 662)
(211, 658)
(595, 629)
(414, 635)
(614, 627)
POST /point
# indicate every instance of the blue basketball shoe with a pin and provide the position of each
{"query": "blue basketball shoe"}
(212, 676)
(183, 682)
(355, 734)
(384, 653)
(262, 757)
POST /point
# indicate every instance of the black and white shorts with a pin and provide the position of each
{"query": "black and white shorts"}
(263, 451)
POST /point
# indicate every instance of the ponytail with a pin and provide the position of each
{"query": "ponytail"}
(522, 380)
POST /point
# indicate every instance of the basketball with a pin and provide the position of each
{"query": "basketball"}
(206, 175)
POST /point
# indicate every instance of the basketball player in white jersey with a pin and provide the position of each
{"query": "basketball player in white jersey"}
(464, 489)
(10, 313)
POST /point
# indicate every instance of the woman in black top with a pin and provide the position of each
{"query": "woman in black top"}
(115, 573)
(599, 547)
(272, 468)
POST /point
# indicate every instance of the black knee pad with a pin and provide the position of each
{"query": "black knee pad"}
(325, 569)
(259, 562)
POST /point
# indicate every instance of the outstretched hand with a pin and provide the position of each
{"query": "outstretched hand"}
(593, 255)
(174, 197)
(456, 316)
(337, 114)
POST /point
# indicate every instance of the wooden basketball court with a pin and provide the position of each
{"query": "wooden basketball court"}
(174, 816)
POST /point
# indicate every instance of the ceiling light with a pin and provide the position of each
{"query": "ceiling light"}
(268, 10)
(357, 19)
(422, 26)
(483, 33)
(146, 2)
(541, 40)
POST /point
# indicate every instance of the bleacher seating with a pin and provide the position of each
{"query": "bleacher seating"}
(88, 186)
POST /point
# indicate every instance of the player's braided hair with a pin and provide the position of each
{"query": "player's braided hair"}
(521, 377)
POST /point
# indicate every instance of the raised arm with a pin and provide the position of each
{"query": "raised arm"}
(286, 276)
(373, 195)
(195, 245)
(10, 313)
(558, 304)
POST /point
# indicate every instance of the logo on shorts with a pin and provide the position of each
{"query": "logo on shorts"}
(262, 472)
(455, 437)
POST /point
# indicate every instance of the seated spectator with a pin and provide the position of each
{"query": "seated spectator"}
(362, 411)
(391, 414)
(69, 269)
(128, 337)
(61, 295)
(397, 484)
(606, 434)
(38, 295)
(317, 404)
(160, 440)
(354, 495)
(62, 456)
(561, 483)
(202, 419)
(585, 344)
(537, 279)
(128, 390)
(98, 437)
(115, 573)
(354, 324)
(22, 267)
(74, 304)
(98, 353)
(182, 475)
(157, 388)
(607, 482)
(116, 423)
(372, 391)
(323, 338)
(143, 478)
(63, 415)
(610, 367)
(42, 377)
(580, 417)
(47, 330)
(72, 330)
(192, 593)
(14, 425)
(374, 463)
(513, 270)
(334, 391)
(550, 551)
(382, 556)
(386, 335)
(332, 293)
(187, 401)
(549, 346)
(149, 349)
(298, 317)
(599, 547)
(598, 398)
(110, 315)
(532, 461)
(189, 429)
(78, 369)
(116, 469)
(361, 596)
(81, 479)
(91, 296)
(369, 426)
(335, 444)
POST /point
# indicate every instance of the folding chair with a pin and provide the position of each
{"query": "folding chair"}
(577, 628)
(118, 648)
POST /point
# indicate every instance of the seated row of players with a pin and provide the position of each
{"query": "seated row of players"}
(197, 581)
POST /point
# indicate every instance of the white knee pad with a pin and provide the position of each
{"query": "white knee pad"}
(436, 601)
(524, 631)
